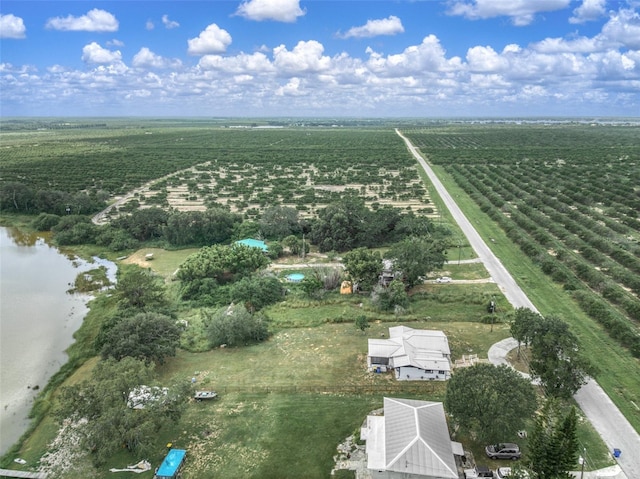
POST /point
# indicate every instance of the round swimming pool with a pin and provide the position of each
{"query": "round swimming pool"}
(295, 277)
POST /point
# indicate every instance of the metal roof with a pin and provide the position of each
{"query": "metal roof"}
(417, 439)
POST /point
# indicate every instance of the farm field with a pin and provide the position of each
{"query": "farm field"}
(308, 380)
(195, 166)
(568, 196)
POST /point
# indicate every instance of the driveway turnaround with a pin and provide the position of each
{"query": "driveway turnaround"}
(606, 418)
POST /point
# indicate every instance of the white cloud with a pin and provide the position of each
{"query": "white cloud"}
(169, 24)
(552, 76)
(292, 88)
(12, 27)
(522, 12)
(485, 59)
(94, 53)
(623, 27)
(145, 58)
(305, 57)
(589, 10)
(212, 40)
(561, 45)
(386, 26)
(239, 64)
(279, 10)
(149, 25)
(95, 20)
(428, 57)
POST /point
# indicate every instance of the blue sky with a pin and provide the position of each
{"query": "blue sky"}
(362, 58)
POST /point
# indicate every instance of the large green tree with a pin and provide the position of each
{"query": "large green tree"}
(523, 325)
(215, 265)
(144, 224)
(105, 422)
(490, 402)
(278, 222)
(557, 360)
(200, 228)
(553, 444)
(145, 336)
(140, 290)
(256, 292)
(363, 266)
(415, 257)
(235, 326)
(342, 225)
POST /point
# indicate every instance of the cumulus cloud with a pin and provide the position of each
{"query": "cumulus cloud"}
(12, 27)
(95, 20)
(169, 24)
(521, 12)
(429, 56)
(305, 57)
(149, 25)
(240, 64)
(623, 28)
(212, 39)
(561, 45)
(94, 53)
(279, 10)
(145, 58)
(589, 10)
(292, 88)
(485, 59)
(386, 26)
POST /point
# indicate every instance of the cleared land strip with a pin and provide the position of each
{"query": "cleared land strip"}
(604, 415)
(27, 474)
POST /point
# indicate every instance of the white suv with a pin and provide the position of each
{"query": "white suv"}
(443, 279)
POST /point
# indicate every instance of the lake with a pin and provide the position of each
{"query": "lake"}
(37, 321)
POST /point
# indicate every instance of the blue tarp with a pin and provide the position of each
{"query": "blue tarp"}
(254, 243)
(171, 464)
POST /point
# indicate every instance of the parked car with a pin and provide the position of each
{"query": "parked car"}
(443, 279)
(503, 472)
(509, 473)
(503, 450)
(478, 471)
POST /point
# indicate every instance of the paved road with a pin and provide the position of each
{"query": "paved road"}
(613, 427)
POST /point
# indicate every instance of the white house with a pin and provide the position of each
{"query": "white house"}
(414, 354)
(411, 441)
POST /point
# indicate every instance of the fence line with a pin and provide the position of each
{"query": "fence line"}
(424, 388)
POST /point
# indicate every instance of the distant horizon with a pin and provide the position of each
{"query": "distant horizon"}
(331, 117)
(312, 58)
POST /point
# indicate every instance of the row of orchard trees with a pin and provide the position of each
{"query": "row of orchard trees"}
(596, 263)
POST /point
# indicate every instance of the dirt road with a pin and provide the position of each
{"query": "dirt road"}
(613, 427)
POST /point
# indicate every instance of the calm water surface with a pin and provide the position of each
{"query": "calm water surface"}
(37, 321)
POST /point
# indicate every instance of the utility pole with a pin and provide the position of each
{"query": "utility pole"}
(492, 306)
(581, 460)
